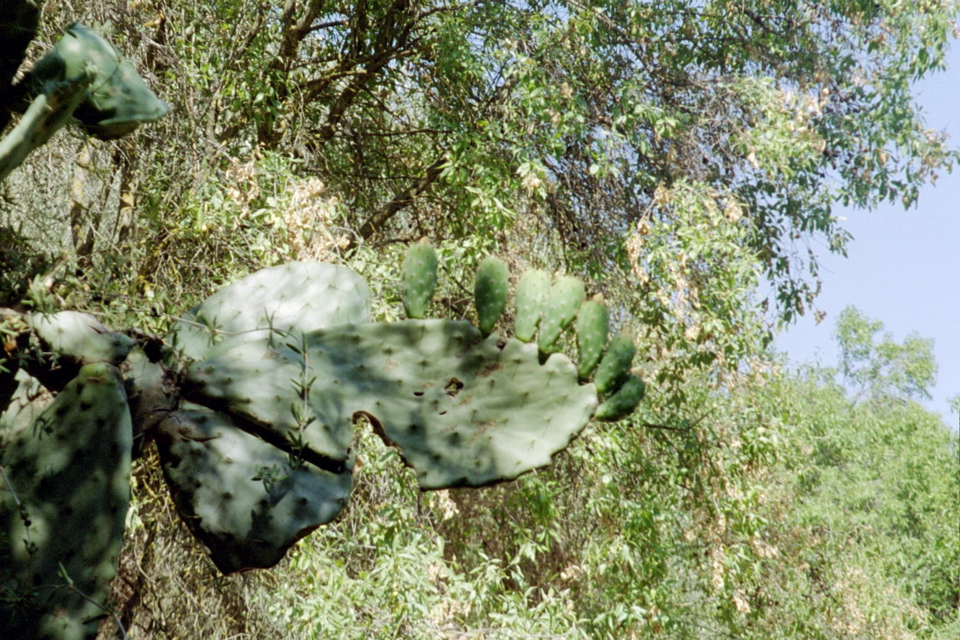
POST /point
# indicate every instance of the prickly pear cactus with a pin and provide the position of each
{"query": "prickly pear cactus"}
(117, 101)
(63, 501)
(280, 489)
(615, 365)
(283, 364)
(490, 292)
(419, 279)
(82, 77)
(80, 336)
(560, 309)
(531, 298)
(593, 323)
(623, 402)
(244, 499)
(297, 296)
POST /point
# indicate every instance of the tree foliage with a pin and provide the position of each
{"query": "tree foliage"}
(683, 158)
(883, 368)
(680, 154)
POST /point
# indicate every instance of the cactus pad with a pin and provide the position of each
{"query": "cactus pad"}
(592, 326)
(560, 309)
(531, 297)
(69, 474)
(615, 365)
(623, 402)
(284, 363)
(298, 296)
(463, 409)
(241, 497)
(117, 100)
(80, 336)
(490, 292)
(419, 279)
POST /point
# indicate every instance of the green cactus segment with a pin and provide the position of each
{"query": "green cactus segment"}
(117, 100)
(531, 297)
(623, 402)
(615, 365)
(560, 309)
(27, 401)
(463, 410)
(80, 337)
(241, 497)
(46, 114)
(419, 279)
(266, 387)
(295, 297)
(490, 292)
(593, 322)
(63, 501)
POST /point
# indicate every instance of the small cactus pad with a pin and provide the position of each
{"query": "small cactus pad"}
(240, 496)
(592, 325)
(419, 279)
(531, 297)
(623, 402)
(462, 409)
(297, 296)
(81, 337)
(63, 510)
(490, 292)
(117, 101)
(561, 307)
(615, 365)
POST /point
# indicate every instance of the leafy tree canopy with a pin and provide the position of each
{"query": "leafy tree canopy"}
(683, 155)
(883, 368)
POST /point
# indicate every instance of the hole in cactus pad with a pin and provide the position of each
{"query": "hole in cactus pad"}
(453, 387)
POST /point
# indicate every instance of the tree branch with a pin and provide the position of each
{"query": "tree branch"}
(404, 198)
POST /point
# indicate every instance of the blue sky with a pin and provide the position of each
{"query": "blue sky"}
(903, 267)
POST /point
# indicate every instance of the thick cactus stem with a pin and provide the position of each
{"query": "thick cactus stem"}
(593, 322)
(46, 114)
(419, 279)
(561, 307)
(531, 297)
(490, 292)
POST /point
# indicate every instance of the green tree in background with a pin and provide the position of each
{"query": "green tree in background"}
(876, 489)
(883, 368)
